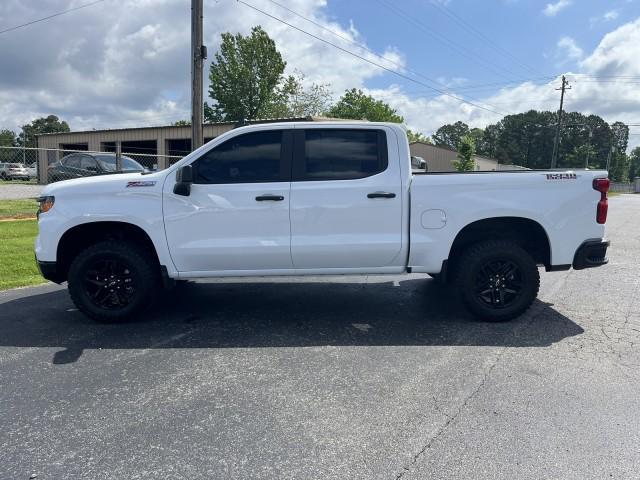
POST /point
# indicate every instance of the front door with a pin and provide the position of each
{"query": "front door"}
(237, 215)
(346, 199)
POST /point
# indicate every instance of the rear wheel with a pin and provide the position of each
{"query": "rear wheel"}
(497, 280)
(112, 281)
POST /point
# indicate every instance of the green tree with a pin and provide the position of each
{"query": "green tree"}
(634, 163)
(418, 137)
(292, 99)
(466, 150)
(213, 113)
(49, 124)
(581, 155)
(620, 162)
(619, 167)
(355, 104)
(527, 139)
(244, 74)
(181, 123)
(450, 135)
(488, 144)
(8, 138)
(476, 134)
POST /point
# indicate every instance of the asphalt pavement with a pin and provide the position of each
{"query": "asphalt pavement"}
(330, 378)
(12, 191)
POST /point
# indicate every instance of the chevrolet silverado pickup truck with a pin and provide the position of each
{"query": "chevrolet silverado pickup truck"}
(334, 198)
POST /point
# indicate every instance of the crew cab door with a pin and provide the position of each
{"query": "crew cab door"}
(236, 217)
(346, 198)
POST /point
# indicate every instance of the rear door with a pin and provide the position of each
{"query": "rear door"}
(346, 198)
(236, 218)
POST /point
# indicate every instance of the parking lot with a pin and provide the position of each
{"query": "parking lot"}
(376, 377)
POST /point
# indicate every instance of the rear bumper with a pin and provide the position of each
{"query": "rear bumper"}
(592, 253)
(49, 270)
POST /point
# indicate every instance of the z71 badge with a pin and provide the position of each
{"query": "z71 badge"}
(561, 176)
(145, 183)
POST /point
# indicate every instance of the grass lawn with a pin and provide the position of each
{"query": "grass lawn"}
(19, 182)
(23, 208)
(17, 263)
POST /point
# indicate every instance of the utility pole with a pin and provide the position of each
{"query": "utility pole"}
(198, 54)
(613, 149)
(554, 157)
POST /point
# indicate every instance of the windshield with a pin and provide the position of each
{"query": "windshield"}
(15, 165)
(108, 163)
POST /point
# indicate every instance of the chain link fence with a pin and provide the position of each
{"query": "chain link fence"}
(45, 165)
(625, 187)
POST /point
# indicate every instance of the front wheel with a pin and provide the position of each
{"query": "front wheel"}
(112, 281)
(497, 280)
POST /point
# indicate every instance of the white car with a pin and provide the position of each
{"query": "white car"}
(32, 171)
(312, 199)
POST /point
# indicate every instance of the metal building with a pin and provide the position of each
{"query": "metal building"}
(440, 159)
(154, 147)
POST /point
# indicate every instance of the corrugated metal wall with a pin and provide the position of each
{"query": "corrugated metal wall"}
(441, 159)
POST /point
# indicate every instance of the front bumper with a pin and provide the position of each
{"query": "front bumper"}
(49, 270)
(592, 253)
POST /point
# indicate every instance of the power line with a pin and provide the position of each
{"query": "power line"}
(382, 57)
(50, 16)
(364, 47)
(453, 45)
(470, 28)
(406, 77)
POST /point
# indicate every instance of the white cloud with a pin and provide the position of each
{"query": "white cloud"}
(601, 86)
(98, 68)
(610, 15)
(569, 49)
(552, 9)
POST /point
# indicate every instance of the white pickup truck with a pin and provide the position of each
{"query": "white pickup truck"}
(317, 198)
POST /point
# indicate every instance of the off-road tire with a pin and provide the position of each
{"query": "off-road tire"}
(141, 270)
(487, 256)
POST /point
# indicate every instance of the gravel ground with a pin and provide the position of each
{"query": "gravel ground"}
(14, 192)
(377, 377)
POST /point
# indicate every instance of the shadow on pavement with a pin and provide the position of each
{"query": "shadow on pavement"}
(411, 312)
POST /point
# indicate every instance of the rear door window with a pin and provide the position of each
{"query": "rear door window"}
(339, 154)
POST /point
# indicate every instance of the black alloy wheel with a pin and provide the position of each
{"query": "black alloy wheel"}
(112, 281)
(109, 284)
(499, 283)
(497, 280)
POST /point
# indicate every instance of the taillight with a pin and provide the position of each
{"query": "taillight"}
(602, 186)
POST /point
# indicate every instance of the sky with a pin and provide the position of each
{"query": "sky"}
(125, 63)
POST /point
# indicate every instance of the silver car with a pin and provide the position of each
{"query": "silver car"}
(13, 171)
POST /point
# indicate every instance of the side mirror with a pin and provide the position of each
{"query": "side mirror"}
(184, 179)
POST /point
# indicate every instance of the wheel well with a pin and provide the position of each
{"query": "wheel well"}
(527, 233)
(82, 236)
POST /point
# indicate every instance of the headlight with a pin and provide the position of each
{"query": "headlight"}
(45, 203)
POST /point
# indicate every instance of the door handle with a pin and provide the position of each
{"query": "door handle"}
(381, 195)
(272, 198)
